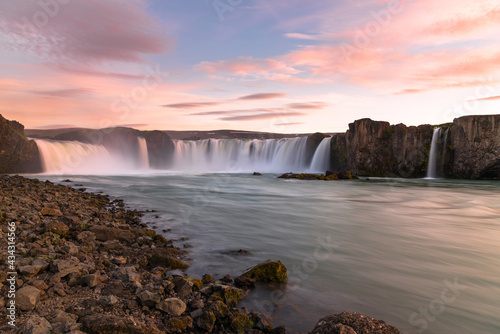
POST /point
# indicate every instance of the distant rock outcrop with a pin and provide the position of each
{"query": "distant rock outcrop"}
(474, 148)
(17, 153)
(373, 148)
(352, 323)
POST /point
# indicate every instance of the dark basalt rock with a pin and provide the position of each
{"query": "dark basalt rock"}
(17, 153)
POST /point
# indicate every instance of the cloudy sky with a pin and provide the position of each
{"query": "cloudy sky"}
(281, 66)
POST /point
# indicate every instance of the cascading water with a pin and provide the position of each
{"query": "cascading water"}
(321, 159)
(143, 152)
(209, 155)
(214, 155)
(435, 168)
(73, 157)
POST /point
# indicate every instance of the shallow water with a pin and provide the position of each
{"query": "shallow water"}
(387, 248)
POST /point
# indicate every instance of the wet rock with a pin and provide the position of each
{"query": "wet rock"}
(164, 257)
(172, 306)
(240, 323)
(35, 325)
(244, 282)
(207, 279)
(103, 233)
(27, 297)
(352, 323)
(257, 174)
(230, 295)
(268, 271)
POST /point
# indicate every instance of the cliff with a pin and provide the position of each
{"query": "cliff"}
(474, 148)
(374, 148)
(17, 153)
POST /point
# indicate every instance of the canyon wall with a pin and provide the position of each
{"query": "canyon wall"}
(474, 148)
(17, 153)
(374, 148)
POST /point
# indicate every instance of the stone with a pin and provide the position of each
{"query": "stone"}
(103, 233)
(35, 325)
(240, 323)
(183, 287)
(57, 227)
(148, 298)
(268, 271)
(31, 270)
(51, 212)
(91, 280)
(206, 321)
(352, 323)
(27, 297)
(172, 306)
(65, 267)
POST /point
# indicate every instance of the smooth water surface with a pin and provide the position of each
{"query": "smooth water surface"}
(386, 248)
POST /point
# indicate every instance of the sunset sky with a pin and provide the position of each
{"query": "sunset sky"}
(277, 66)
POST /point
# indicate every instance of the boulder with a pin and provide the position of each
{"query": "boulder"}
(352, 323)
(51, 212)
(268, 271)
(172, 306)
(206, 321)
(27, 297)
(56, 227)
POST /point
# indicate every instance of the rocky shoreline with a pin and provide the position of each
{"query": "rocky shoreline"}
(85, 264)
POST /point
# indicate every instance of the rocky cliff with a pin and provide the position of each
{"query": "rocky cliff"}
(17, 153)
(474, 148)
(373, 148)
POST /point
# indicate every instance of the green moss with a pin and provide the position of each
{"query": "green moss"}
(160, 238)
(240, 323)
(197, 283)
(166, 261)
(232, 296)
(179, 325)
(451, 148)
(269, 271)
(149, 233)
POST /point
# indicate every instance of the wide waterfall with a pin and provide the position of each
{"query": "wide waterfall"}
(235, 155)
(435, 167)
(208, 155)
(321, 159)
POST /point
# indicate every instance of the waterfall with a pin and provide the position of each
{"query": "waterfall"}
(435, 168)
(208, 155)
(143, 152)
(321, 159)
(236, 155)
(73, 157)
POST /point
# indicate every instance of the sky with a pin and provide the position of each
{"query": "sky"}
(288, 66)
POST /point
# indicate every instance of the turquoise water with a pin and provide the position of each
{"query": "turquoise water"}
(392, 249)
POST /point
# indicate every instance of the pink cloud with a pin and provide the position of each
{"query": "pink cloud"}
(262, 96)
(90, 31)
(247, 66)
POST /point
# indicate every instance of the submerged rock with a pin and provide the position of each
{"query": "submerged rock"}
(268, 271)
(352, 323)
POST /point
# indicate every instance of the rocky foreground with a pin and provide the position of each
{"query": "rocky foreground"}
(85, 264)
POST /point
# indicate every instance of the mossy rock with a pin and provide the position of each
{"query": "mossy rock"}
(240, 323)
(230, 295)
(149, 233)
(268, 271)
(165, 260)
(179, 325)
(161, 239)
(197, 282)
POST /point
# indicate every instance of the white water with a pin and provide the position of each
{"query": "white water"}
(143, 152)
(73, 157)
(209, 155)
(321, 159)
(235, 155)
(433, 158)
